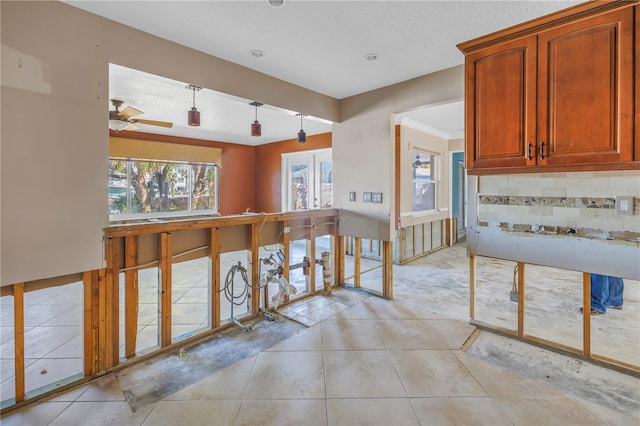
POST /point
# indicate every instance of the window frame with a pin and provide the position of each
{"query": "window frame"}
(435, 163)
(189, 212)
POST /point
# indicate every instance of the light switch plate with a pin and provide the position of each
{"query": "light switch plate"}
(352, 196)
(624, 205)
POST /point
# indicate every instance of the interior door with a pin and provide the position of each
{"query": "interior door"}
(307, 180)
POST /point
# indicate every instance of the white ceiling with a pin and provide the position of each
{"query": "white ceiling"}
(320, 45)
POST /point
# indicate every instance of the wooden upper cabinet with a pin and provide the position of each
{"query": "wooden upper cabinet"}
(500, 99)
(585, 91)
(559, 98)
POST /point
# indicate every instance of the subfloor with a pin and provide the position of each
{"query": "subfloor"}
(360, 359)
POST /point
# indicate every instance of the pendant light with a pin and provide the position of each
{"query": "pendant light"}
(256, 127)
(194, 115)
(302, 136)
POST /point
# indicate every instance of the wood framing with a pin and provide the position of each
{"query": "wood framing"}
(357, 255)
(18, 339)
(521, 299)
(586, 314)
(387, 269)
(112, 279)
(311, 250)
(472, 286)
(286, 242)
(255, 270)
(214, 285)
(131, 294)
(164, 272)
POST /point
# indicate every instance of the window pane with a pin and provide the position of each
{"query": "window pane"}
(150, 187)
(118, 185)
(204, 184)
(424, 196)
(299, 186)
(424, 181)
(326, 183)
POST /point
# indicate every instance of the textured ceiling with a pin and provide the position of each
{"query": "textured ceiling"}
(321, 45)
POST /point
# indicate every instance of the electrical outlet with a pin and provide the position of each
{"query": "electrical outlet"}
(624, 205)
(287, 229)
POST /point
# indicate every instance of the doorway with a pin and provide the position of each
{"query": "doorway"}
(307, 180)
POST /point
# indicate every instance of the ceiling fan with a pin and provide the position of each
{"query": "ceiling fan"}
(123, 120)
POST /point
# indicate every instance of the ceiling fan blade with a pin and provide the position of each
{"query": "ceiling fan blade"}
(129, 112)
(153, 122)
(131, 126)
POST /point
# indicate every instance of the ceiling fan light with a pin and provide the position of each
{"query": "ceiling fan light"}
(194, 117)
(117, 124)
(256, 128)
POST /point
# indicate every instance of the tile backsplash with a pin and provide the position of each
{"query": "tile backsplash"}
(578, 203)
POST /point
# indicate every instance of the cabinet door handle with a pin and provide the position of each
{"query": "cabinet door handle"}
(529, 146)
(542, 150)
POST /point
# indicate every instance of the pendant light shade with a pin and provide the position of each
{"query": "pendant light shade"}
(302, 136)
(256, 127)
(193, 116)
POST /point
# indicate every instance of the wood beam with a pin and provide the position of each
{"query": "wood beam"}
(472, 286)
(255, 270)
(214, 284)
(131, 300)
(356, 261)
(387, 269)
(164, 268)
(521, 299)
(586, 314)
(99, 276)
(18, 338)
(112, 281)
(311, 243)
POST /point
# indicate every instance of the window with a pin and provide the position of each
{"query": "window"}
(139, 188)
(424, 181)
(307, 180)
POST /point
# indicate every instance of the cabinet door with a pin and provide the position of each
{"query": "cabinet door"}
(585, 91)
(500, 104)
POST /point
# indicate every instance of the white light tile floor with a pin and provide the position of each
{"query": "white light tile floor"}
(372, 362)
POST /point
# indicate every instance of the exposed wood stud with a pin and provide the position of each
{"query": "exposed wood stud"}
(311, 250)
(286, 242)
(521, 299)
(472, 286)
(99, 277)
(356, 261)
(387, 269)
(164, 252)
(255, 270)
(131, 294)
(18, 338)
(586, 314)
(87, 328)
(214, 256)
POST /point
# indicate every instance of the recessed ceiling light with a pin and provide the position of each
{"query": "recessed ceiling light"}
(371, 56)
(257, 53)
(276, 3)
